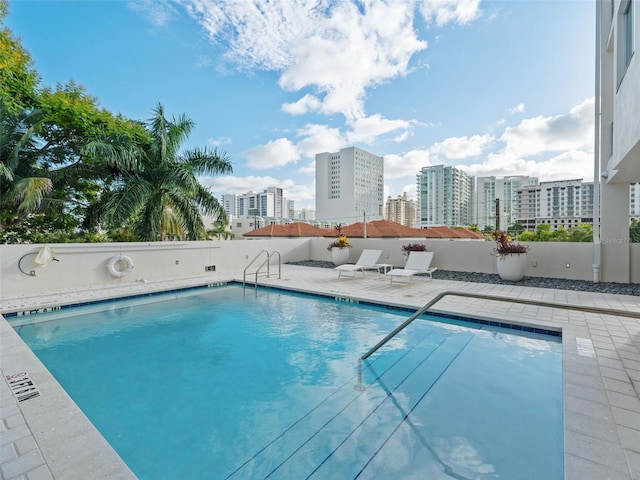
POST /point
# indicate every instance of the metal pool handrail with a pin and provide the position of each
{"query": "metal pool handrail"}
(440, 296)
(267, 262)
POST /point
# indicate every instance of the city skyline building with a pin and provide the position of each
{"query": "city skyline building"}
(401, 210)
(561, 203)
(268, 203)
(445, 196)
(492, 188)
(349, 186)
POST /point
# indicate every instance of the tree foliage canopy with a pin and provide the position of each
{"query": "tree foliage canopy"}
(75, 170)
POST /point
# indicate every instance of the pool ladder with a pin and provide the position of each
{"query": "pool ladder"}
(266, 262)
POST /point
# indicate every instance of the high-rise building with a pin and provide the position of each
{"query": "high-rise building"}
(401, 210)
(349, 185)
(563, 203)
(268, 203)
(445, 196)
(279, 207)
(304, 214)
(490, 189)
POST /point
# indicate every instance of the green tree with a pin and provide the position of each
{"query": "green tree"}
(219, 230)
(634, 231)
(582, 233)
(49, 162)
(164, 190)
(516, 229)
(560, 235)
(543, 233)
(22, 185)
(18, 78)
(527, 237)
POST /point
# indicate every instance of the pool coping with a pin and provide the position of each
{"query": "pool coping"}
(50, 436)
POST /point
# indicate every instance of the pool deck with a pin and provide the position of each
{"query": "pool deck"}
(48, 437)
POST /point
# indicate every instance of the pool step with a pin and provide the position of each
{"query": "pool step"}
(340, 437)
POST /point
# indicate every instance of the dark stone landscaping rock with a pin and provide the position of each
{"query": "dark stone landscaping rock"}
(555, 283)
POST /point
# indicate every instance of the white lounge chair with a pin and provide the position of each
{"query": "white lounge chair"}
(418, 262)
(368, 260)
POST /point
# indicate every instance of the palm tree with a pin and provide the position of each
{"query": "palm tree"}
(162, 195)
(22, 186)
(219, 229)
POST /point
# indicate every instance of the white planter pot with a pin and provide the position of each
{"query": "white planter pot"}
(511, 267)
(339, 255)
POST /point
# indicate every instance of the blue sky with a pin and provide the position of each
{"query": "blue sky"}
(495, 88)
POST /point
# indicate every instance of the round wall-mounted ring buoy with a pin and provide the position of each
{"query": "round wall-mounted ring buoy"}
(120, 266)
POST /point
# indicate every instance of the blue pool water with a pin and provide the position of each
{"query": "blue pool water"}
(219, 385)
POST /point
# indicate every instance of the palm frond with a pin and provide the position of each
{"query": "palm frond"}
(189, 214)
(208, 162)
(116, 153)
(124, 202)
(149, 222)
(28, 193)
(210, 204)
(5, 172)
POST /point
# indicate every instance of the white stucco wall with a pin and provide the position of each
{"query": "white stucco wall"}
(83, 266)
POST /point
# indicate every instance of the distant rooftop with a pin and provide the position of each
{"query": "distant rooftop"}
(375, 229)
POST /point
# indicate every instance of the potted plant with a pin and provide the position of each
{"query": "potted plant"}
(339, 248)
(511, 257)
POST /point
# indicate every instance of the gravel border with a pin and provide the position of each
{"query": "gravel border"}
(540, 282)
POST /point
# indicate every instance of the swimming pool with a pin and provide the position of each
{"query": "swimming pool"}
(221, 385)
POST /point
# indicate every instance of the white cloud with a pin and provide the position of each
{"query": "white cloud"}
(301, 193)
(275, 153)
(565, 166)
(368, 44)
(456, 148)
(450, 11)
(368, 129)
(550, 148)
(308, 103)
(572, 131)
(408, 164)
(158, 13)
(517, 109)
(319, 138)
(203, 61)
(309, 169)
(217, 142)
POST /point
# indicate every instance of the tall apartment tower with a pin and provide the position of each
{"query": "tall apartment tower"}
(279, 206)
(268, 203)
(401, 210)
(563, 203)
(490, 189)
(349, 184)
(445, 196)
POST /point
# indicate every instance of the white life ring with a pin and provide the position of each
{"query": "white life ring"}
(120, 266)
